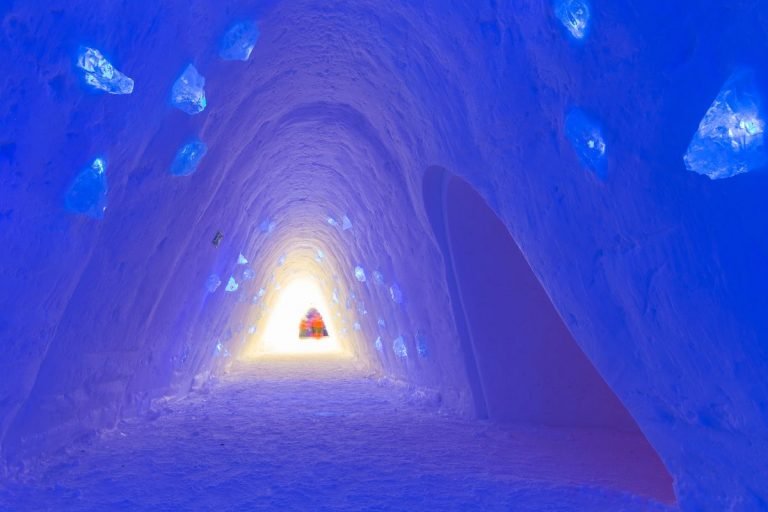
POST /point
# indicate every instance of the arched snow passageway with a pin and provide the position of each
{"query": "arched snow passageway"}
(608, 126)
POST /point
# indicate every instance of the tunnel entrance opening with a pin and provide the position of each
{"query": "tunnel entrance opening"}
(523, 364)
(301, 298)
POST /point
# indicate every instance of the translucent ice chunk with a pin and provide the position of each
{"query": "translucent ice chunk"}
(100, 74)
(188, 94)
(586, 137)
(241, 260)
(213, 283)
(399, 347)
(319, 256)
(238, 42)
(379, 345)
(360, 274)
(188, 158)
(232, 285)
(281, 261)
(346, 223)
(251, 329)
(574, 15)
(356, 326)
(378, 277)
(396, 294)
(248, 274)
(88, 192)
(333, 222)
(382, 323)
(335, 296)
(731, 137)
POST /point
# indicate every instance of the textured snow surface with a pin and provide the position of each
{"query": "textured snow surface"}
(297, 435)
(658, 273)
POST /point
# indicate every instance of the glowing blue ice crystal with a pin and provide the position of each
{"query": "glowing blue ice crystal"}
(574, 15)
(360, 274)
(356, 326)
(731, 137)
(232, 285)
(281, 261)
(319, 256)
(188, 158)
(382, 323)
(248, 274)
(100, 74)
(346, 223)
(88, 192)
(239, 41)
(378, 277)
(335, 296)
(396, 294)
(241, 260)
(220, 350)
(586, 137)
(379, 345)
(333, 222)
(188, 93)
(399, 347)
(213, 283)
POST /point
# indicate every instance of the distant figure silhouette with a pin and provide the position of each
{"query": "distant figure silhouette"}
(312, 325)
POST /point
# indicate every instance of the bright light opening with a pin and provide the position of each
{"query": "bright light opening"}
(281, 332)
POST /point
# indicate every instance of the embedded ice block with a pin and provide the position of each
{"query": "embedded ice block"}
(213, 283)
(238, 42)
(88, 192)
(188, 94)
(574, 15)
(188, 158)
(100, 74)
(731, 136)
(586, 137)
(399, 347)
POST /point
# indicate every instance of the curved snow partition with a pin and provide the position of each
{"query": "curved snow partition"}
(529, 367)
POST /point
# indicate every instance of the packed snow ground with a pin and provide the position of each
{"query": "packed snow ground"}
(321, 435)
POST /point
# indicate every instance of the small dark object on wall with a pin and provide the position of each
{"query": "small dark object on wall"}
(217, 238)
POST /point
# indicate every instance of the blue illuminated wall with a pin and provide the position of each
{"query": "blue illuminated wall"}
(323, 135)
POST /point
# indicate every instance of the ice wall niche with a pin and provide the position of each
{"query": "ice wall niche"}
(731, 137)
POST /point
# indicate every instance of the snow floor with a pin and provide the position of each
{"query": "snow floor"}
(321, 435)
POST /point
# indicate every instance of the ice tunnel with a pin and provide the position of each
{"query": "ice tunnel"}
(535, 231)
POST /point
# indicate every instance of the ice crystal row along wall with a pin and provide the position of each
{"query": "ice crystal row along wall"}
(731, 137)
(323, 135)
